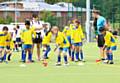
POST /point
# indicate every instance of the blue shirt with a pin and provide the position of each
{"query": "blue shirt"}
(101, 21)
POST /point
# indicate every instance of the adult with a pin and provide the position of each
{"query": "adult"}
(100, 23)
(38, 25)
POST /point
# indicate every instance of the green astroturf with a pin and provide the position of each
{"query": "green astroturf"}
(90, 72)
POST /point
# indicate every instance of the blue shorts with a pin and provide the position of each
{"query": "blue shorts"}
(113, 48)
(8, 47)
(27, 46)
(18, 39)
(64, 49)
(78, 44)
(69, 39)
(2, 47)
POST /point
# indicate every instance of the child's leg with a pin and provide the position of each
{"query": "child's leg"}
(5, 55)
(29, 49)
(110, 56)
(24, 55)
(64, 53)
(81, 54)
(45, 54)
(30, 55)
(69, 51)
(47, 51)
(1, 50)
(9, 56)
(73, 53)
(77, 53)
(59, 57)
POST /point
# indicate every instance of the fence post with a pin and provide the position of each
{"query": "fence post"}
(88, 20)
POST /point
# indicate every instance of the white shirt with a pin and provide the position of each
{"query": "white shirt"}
(37, 24)
(14, 35)
(18, 33)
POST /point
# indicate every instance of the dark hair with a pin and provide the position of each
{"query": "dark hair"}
(35, 15)
(102, 29)
(77, 21)
(48, 31)
(96, 12)
(5, 28)
(18, 26)
(27, 22)
(115, 32)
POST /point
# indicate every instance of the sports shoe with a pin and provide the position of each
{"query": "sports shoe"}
(76, 60)
(106, 61)
(103, 59)
(46, 57)
(22, 61)
(72, 59)
(111, 62)
(30, 61)
(66, 64)
(58, 64)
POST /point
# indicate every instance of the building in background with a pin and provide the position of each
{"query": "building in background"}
(25, 9)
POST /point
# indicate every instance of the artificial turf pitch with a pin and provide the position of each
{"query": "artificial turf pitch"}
(90, 72)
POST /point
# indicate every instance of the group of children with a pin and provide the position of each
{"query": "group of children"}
(68, 43)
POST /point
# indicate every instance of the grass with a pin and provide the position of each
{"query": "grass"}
(90, 72)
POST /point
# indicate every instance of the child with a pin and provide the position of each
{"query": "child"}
(9, 47)
(109, 42)
(3, 39)
(26, 36)
(61, 43)
(67, 32)
(46, 46)
(77, 36)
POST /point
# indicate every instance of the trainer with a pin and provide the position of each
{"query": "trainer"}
(100, 23)
(38, 25)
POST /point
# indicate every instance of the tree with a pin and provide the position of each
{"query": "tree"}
(8, 20)
(49, 17)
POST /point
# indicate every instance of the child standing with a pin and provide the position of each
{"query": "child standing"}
(26, 35)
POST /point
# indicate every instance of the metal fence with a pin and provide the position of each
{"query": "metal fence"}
(114, 12)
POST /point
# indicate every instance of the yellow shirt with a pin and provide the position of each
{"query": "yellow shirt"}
(109, 39)
(46, 39)
(62, 40)
(3, 38)
(27, 35)
(7, 42)
(76, 34)
(67, 31)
